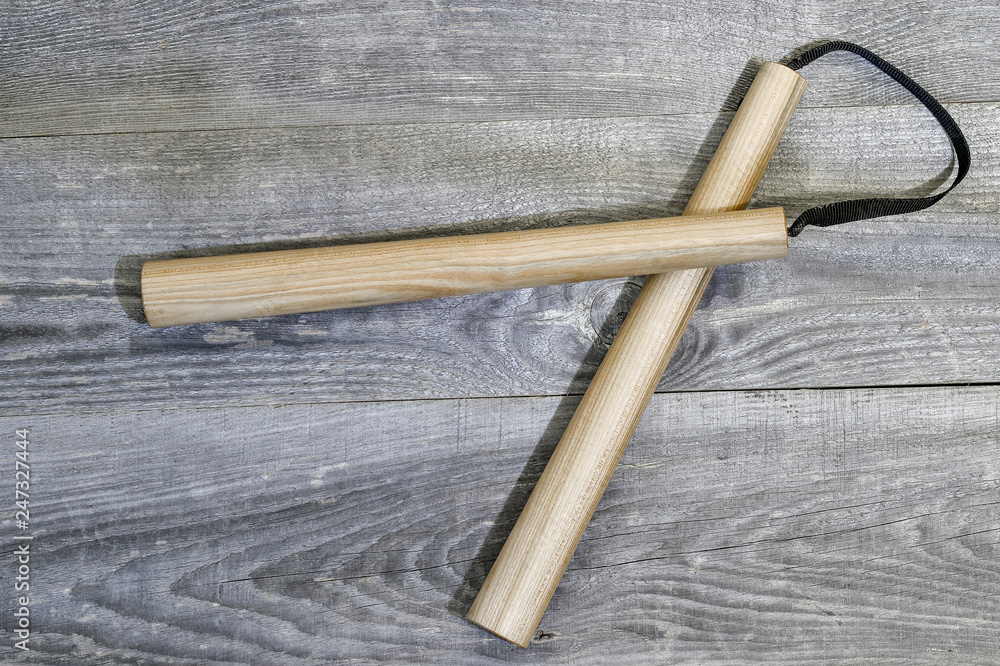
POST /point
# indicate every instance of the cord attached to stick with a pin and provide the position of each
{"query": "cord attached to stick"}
(862, 209)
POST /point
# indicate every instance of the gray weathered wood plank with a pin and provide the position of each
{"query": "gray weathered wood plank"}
(126, 67)
(752, 527)
(918, 295)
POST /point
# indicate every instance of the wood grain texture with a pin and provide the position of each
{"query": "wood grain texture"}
(169, 66)
(518, 589)
(80, 215)
(771, 527)
(298, 522)
(199, 290)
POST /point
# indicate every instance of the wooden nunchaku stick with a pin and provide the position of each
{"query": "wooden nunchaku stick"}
(537, 552)
(208, 289)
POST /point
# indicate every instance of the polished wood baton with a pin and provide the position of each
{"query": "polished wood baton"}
(257, 284)
(537, 552)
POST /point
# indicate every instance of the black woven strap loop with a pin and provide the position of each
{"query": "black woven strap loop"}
(862, 209)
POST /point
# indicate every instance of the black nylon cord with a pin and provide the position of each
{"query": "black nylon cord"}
(862, 209)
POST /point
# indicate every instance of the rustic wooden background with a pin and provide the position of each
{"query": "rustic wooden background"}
(816, 479)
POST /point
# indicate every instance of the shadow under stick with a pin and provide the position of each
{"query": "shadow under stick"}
(538, 550)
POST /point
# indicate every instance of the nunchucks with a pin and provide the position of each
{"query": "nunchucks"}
(535, 556)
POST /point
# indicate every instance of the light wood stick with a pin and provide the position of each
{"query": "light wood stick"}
(205, 289)
(537, 552)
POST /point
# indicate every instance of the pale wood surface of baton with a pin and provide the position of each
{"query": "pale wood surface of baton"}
(532, 561)
(237, 286)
